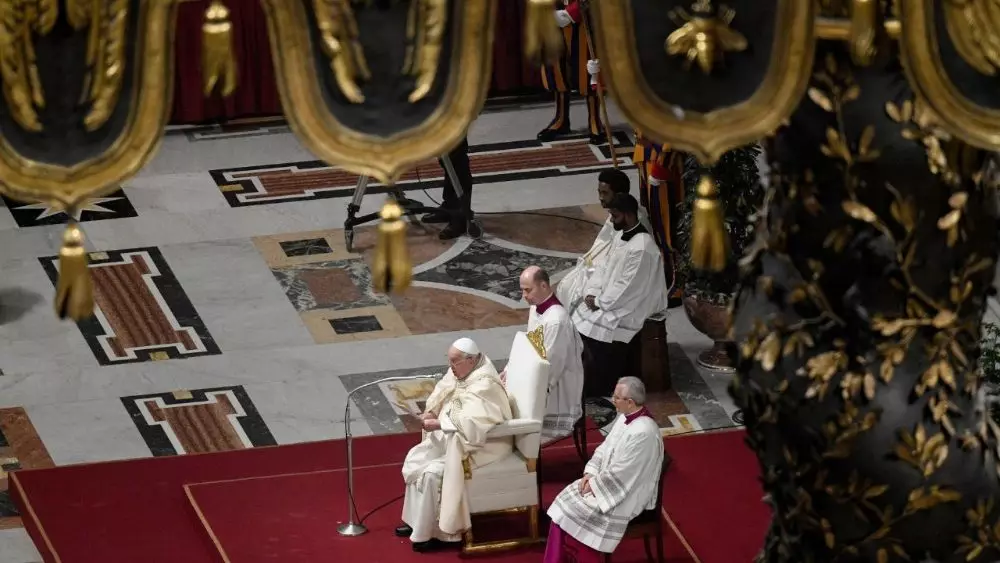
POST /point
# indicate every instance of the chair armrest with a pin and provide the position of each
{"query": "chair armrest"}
(515, 427)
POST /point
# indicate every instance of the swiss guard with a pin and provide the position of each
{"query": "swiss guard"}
(661, 192)
(571, 75)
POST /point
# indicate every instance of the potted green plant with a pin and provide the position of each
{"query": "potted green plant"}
(707, 295)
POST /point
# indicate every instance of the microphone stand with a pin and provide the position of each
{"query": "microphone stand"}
(354, 527)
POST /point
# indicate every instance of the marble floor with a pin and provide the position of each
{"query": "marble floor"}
(231, 314)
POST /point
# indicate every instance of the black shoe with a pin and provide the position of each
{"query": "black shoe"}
(546, 135)
(452, 231)
(434, 544)
(598, 139)
(404, 531)
(440, 216)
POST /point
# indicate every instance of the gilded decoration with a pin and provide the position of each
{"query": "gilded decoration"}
(750, 67)
(117, 109)
(951, 52)
(381, 121)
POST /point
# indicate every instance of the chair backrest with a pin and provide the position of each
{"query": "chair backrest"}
(527, 379)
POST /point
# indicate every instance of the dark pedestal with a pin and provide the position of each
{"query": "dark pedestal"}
(654, 358)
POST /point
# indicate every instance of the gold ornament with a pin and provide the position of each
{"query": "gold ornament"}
(217, 61)
(75, 290)
(709, 243)
(543, 41)
(391, 269)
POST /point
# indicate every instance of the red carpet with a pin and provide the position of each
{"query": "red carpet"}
(290, 519)
(137, 511)
(713, 496)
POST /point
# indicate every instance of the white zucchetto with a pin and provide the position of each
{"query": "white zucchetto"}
(466, 345)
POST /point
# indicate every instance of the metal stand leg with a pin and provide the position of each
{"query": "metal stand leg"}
(352, 212)
(474, 227)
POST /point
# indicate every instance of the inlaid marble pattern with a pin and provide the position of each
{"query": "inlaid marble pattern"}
(115, 205)
(198, 421)
(238, 131)
(489, 266)
(393, 407)
(20, 448)
(490, 162)
(335, 285)
(141, 313)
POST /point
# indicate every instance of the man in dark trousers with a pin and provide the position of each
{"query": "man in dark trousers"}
(455, 211)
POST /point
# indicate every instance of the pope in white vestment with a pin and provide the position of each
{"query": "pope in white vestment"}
(570, 288)
(468, 402)
(563, 350)
(620, 482)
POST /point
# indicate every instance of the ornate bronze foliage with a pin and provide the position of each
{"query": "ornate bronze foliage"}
(858, 317)
(379, 86)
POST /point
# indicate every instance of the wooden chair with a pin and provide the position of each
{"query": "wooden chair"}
(649, 523)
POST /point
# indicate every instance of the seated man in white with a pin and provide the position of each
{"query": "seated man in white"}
(464, 406)
(563, 349)
(570, 290)
(590, 515)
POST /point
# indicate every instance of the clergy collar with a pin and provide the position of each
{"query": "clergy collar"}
(638, 228)
(643, 411)
(544, 305)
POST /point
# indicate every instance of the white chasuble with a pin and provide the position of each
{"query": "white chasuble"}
(435, 505)
(564, 351)
(625, 472)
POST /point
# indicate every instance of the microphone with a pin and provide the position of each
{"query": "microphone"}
(354, 527)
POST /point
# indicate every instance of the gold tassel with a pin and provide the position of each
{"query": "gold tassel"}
(543, 40)
(217, 61)
(74, 291)
(709, 243)
(391, 270)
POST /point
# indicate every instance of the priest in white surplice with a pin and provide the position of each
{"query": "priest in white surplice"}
(464, 406)
(590, 515)
(618, 298)
(563, 350)
(570, 288)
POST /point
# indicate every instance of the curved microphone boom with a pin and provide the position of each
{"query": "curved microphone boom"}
(354, 527)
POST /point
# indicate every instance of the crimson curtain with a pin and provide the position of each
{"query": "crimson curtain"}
(257, 95)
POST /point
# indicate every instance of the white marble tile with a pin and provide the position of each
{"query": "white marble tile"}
(32, 339)
(16, 547)
(88, 431)
(31, 242)
(174, 193)
(303, 411)
(179, 155)
(236, 295)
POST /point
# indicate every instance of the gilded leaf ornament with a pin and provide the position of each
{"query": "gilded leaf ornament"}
(974, 29)
(537, 339)
(704, 36)
(22, 20)
(339, 36)
(425, 32)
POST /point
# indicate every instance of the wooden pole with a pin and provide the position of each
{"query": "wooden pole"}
(600, 92)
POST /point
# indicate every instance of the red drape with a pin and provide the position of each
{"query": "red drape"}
(257, 95)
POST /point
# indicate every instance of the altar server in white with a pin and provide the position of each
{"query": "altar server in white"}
(620, 481)
(464, 406)
(563, 350)
(570, 288)
(618, 298)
